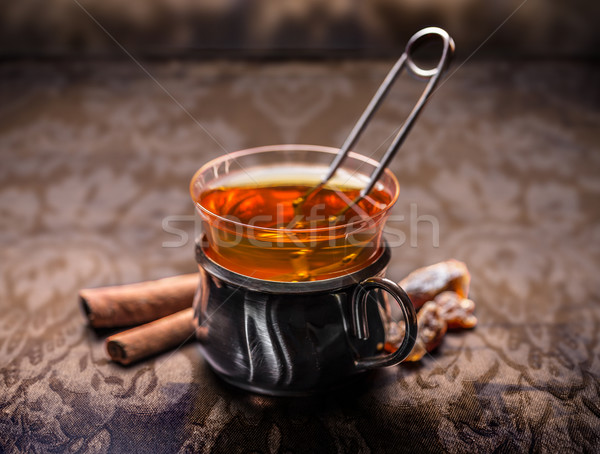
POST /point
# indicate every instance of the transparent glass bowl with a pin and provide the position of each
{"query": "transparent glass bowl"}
(283, 252)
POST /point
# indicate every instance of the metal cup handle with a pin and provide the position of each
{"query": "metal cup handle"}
(361, 328)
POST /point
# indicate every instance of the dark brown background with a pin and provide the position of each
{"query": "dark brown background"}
(284, 29)
(95, 155)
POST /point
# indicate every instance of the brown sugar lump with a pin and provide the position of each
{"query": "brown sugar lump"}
(424, 284)
(456, 310)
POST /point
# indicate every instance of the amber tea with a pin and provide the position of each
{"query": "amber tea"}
(252, 225)
(258, 231)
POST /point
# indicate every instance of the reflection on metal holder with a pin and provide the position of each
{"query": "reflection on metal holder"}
(296, 338)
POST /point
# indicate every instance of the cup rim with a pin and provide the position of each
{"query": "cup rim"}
(292, 147)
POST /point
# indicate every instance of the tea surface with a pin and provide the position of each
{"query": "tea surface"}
(273, 206)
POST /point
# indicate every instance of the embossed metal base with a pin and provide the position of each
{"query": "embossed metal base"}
(280, 338)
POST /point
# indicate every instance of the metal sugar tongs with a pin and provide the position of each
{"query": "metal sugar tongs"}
(433, 75)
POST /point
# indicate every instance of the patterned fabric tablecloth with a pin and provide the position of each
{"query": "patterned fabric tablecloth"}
(505, 163)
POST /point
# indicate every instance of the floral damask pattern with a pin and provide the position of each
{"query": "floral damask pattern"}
(500, 172)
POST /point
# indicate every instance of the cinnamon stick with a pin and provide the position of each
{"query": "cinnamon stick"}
(132, 304)
(152, 338)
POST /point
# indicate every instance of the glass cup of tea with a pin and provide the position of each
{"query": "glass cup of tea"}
(292, 297)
